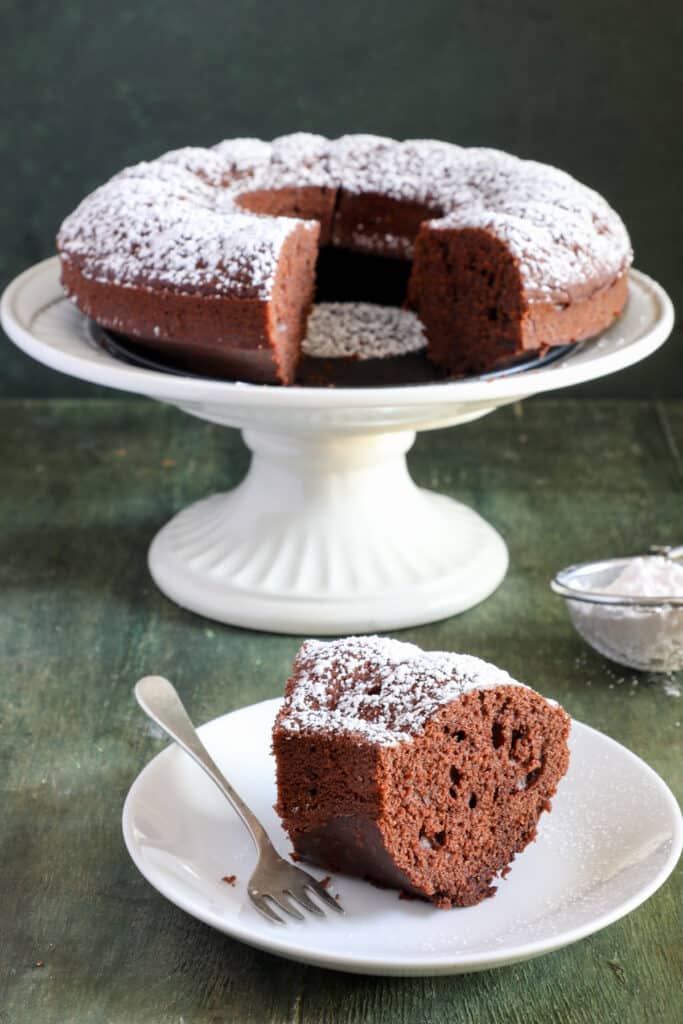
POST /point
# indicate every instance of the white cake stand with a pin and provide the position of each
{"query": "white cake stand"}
(327, 534)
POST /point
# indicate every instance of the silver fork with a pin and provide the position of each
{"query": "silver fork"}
(273, 879)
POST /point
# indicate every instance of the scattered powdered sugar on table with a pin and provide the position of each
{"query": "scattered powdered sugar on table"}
(362, 330)
(381, 689)
(645, 637)
(631, 683)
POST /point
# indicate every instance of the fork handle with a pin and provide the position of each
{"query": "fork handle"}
(159, 700)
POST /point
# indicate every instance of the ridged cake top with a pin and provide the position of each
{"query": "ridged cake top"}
(175, 222)
(162, 225)
(380, 689)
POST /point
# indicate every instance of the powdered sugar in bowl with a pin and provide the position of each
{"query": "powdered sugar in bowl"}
(628, 609)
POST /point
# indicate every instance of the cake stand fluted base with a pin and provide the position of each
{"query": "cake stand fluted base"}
(327, 535)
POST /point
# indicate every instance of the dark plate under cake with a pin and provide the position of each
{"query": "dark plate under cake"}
(424, 772)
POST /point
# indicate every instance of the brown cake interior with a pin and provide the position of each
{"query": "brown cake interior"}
(372, 222)
(437, 816)
(291, 301)
(466, 289)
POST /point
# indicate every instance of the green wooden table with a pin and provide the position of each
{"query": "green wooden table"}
(83, 938)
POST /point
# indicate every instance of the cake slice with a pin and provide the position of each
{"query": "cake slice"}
(421, 771)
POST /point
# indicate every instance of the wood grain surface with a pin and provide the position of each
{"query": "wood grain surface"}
(85, 485)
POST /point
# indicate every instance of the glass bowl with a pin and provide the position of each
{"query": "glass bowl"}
(645, 633)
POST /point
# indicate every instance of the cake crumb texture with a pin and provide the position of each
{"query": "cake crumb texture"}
(425, 772)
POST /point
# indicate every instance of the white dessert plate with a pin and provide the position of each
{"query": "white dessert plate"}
(614, 835)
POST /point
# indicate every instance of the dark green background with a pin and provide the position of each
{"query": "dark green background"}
(593, 86)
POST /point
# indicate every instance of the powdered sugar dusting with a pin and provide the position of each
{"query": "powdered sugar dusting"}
(559, 251)
(380, 689)
(131, 232)
(243, 155)
(418, 170)
(290, 161)
(174, 222)
(562, 233)
(362, 330)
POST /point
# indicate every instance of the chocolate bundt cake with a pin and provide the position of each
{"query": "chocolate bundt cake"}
(215, 252)
(425, 772)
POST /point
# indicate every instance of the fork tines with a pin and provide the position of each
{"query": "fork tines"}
(287, 899)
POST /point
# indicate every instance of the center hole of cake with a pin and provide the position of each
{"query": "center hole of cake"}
(345, 276)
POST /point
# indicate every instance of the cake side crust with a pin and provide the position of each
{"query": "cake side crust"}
(547, 323)
(240, 337)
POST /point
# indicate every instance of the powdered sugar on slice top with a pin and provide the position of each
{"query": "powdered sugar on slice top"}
(380, 689)
(566, 239)
(362, 330)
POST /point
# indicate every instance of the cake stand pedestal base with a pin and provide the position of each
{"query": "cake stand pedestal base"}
(327, 534)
